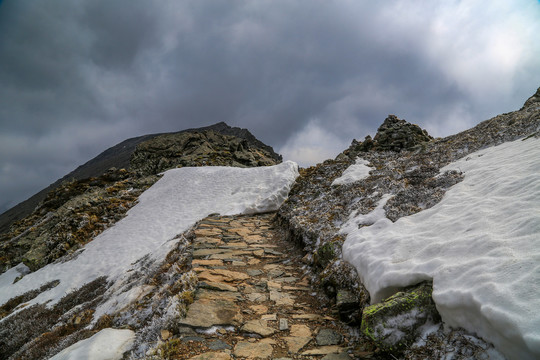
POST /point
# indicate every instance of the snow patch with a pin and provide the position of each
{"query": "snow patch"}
(480, 245)
(108, 344)
(8, 277)
(170, 207)
(356, 172)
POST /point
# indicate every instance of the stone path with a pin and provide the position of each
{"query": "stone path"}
(254, 299)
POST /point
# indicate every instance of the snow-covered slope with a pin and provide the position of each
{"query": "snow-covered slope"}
(480, 245)
(179, 199)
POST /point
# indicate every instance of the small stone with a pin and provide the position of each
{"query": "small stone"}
(207, 262)
(269, 317)
(258, 327)
(323, 350)
(207, 232)
(216, 286)
(208, 312)
(283, 325)
(259, 309)
(281, 299)
(231, 275)
(328, 337)
(165, 334)
(275, 273)
(186, 331)
(192, 339)
(272, 252)
(211, 356)
(253, 350)
(300, 330)
(254, 272)
(350, 310)
(219, 345)
(274, 285)
(312, 317)
(296, 343)
(257, 297)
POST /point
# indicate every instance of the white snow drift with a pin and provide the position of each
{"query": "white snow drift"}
(356, 172)
(108, 344)
(480, 245)
(179, 199)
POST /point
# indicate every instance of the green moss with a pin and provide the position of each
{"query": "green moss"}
(375, 317)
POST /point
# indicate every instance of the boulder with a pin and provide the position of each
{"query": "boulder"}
(396, 322)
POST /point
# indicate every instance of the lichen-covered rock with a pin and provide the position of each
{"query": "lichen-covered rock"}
(396, 322)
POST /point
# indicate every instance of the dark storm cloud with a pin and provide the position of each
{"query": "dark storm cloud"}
(306, 77)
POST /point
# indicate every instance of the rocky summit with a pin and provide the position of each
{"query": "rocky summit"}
(275, 275)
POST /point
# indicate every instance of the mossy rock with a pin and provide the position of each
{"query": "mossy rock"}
(395, 323)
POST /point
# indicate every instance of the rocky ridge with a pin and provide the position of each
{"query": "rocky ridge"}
(120, 155)
(76, 211)
(206, 148)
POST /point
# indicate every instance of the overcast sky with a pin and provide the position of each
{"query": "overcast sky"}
(306, 77)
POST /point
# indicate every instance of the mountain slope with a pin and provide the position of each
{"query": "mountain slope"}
(76, 211)
(119, 156)
(422, 243)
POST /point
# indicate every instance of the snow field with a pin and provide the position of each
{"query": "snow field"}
(480, 245)
(171, 206)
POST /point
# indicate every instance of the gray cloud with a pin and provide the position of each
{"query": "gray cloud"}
(306, 77)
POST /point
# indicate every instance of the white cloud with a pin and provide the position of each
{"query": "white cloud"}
(313, 144)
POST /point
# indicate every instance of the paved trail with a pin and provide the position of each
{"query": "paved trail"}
(254, 298)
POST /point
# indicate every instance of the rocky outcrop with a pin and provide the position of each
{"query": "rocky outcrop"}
(205, 148)
(396, 135)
